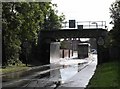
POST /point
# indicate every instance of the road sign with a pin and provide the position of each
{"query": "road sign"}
(71, 23)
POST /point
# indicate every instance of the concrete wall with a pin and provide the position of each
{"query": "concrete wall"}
(54, 52)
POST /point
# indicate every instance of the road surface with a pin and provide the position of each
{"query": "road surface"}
(68, 72)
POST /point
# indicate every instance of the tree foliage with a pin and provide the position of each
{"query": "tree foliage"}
(21, 22)
(115, 15)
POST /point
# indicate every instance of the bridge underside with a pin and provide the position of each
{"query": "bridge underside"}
(73, 33)
(48, 36)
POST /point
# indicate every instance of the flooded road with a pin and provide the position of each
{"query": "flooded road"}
(58, 73)
(66, 72)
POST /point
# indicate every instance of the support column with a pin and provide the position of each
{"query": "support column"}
(43, 54)
(63, 53)
(54, 52)
(100, 50)
(72, 52)
(100, 54)
(69, 53)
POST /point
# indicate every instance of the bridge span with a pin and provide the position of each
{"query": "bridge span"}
(73, 33)
(48, 36)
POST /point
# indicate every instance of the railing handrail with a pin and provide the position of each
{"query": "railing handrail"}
(86, 24)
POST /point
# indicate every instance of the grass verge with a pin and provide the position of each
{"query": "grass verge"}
(10, 69)
(106, 77)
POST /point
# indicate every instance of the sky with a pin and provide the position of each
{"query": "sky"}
(85, 10)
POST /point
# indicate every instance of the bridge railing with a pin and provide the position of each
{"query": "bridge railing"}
(85, 24)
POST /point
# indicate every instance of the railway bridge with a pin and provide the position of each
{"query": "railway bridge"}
(48, 36)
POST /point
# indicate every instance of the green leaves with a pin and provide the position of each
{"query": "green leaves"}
(115, 15)
(22, 21)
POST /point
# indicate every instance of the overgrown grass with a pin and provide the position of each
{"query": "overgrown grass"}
(106, 77)
(15, 68)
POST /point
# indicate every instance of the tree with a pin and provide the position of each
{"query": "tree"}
(10, 29)
(21, 23)
(52, 20)
(115, 15)
(114, 34)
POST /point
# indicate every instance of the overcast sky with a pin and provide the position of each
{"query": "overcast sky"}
(85, 10)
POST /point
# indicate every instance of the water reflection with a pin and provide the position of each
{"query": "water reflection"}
(55, 72)
(59, 73)
(68, 71)
(63, 72)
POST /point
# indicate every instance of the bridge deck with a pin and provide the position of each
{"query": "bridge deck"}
(73, 33)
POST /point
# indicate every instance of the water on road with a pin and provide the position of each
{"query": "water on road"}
(59, 73)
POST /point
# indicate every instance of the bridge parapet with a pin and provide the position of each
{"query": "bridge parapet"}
(85, 24)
